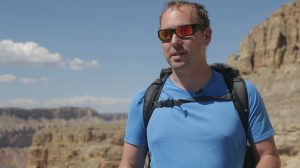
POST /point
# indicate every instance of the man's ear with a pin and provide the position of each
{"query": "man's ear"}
(207, 35)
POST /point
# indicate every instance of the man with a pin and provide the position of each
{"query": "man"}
(194, 135)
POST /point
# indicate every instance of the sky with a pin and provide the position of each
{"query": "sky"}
(98, 54)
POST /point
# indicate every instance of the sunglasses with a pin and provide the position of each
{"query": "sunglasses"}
(165, 35)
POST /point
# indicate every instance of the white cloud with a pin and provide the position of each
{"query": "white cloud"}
(78, 64)
(102, 104)
(7, 78)
(32, 54)
(27, 54)
(93, 63)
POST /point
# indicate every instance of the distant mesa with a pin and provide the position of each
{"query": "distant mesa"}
(18, 125)
(59, 113)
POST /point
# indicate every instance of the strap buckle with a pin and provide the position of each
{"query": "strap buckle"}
(165, 103)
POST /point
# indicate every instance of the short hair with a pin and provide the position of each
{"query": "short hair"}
(199, 9)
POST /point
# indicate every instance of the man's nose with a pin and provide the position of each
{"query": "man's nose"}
(175, 41)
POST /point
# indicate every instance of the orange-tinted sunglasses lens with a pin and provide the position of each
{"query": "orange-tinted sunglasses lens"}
(165, 35)
(184, 31)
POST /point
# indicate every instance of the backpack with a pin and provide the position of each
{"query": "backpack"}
(237, 93)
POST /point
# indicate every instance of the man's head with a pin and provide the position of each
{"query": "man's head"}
(185, 34)
(199, 10)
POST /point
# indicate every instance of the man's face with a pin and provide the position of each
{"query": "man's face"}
(189, 51)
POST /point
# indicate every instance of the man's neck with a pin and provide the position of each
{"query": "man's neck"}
(193, 79)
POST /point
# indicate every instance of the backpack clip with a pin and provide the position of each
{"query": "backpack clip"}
(165, 103)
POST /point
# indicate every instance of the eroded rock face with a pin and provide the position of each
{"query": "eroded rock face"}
(270, 58)
(99, 147)
(273, 43)
(17, 127)
(13, 157)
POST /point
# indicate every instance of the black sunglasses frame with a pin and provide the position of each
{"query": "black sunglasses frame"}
(195, 27)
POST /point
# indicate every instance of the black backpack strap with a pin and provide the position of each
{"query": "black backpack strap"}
(237, 87)
(179, 102)
(240, 95)
(152, 94)
(235, 83)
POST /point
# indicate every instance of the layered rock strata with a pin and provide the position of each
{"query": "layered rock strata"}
(97, 147)
(273, 43)
(270, 58)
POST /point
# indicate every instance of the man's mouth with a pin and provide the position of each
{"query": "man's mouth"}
(176, 54)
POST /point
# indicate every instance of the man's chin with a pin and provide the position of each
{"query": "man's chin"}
(178, 65)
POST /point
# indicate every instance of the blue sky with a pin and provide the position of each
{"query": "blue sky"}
(100, 53)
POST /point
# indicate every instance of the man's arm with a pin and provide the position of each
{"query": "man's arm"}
(268, 154)
(133, 156)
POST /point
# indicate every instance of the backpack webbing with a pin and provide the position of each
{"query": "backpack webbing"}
(236, 86)
(152, 94)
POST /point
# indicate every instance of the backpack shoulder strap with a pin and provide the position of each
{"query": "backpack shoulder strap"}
(152, 94)
(237, 87)
(240, 95)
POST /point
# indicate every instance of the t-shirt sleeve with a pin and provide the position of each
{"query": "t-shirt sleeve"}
(135, 132)
(259, 123)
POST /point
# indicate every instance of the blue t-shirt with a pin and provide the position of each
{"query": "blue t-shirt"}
(199, 134)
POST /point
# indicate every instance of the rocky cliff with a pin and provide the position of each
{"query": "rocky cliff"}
(98, 147)
(17, 127)
(273, 43)
(270, 57)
